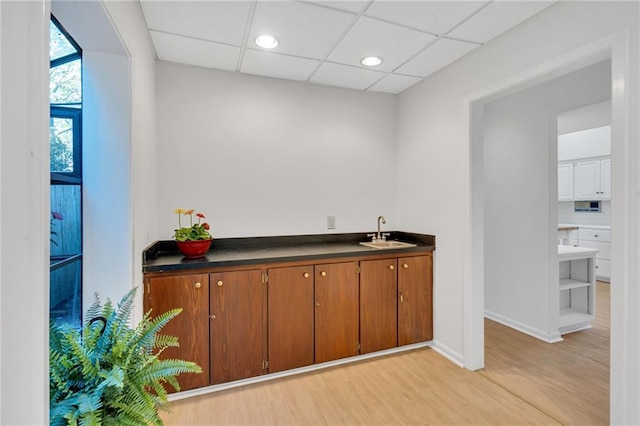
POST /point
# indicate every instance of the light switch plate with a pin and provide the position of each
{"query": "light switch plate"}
(331, 222)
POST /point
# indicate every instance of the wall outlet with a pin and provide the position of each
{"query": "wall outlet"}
(331, 222)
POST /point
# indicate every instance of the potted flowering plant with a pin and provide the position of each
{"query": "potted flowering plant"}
(194, 240)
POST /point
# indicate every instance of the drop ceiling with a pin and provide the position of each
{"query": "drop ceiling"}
(323, 41)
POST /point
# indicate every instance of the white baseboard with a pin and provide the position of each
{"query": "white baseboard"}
(447, 352)
(524, 328)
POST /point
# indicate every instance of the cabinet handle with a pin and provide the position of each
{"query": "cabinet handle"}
(212, 317)
(392, 267)
(401, 297)
(198, 285)
(405, 266)
(220, 283)
(306, 275)
(317, 303)
(323, 273)
(596, 235)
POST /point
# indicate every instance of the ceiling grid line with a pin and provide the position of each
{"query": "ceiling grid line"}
(323, 41)
(431, 43)
(344, 34)
(247, 31)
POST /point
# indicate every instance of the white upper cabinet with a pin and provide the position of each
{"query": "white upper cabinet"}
(584, 171)
(565, 182)
(605, 173)
(592, 179)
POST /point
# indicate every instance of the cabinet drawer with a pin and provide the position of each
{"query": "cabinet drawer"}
(603, 269)
(604, 249)
(594, 235)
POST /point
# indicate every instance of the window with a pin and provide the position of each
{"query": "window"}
(65, 138)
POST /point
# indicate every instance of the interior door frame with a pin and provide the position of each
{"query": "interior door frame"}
(623, 390)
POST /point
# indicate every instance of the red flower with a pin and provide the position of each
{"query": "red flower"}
(206, 226)
(57, 215)
(200, 215)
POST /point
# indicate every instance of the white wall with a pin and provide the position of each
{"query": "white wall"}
(519, 166)
(434, 162)
(106, 204)
(24, 247)
(120, 144)
(589, 117)
(593, 142)
(262, 156)
(130, 26)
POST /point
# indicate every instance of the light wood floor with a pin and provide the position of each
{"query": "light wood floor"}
(568, 380)
(525, 382)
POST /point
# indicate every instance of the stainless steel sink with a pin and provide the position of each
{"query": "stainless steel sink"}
(382, 244)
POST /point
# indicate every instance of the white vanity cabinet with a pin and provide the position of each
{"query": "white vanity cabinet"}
(577, 284)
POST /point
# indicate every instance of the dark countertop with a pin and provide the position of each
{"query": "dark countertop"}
(163, 256)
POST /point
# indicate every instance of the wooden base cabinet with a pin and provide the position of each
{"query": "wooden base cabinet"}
(415, 297)
(337, 311)
(241, 323)
(290, 318)
(191, 293)
(378, 305)
(237, 336)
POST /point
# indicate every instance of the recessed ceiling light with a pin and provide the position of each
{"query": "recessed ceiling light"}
(266, 41)
(371, 61)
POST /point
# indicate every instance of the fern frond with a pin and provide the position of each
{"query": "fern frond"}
(110, 373)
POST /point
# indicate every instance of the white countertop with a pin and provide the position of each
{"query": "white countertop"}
(572, 253)
(572, 225)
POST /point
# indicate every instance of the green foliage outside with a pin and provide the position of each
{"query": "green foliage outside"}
(110, 373)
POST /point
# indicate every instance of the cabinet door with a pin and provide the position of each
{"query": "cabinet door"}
(336, 312)
(587, 180)
(415, 290)
(237, 303)
(290, 317)
(605, 179)
(378, 305)
(191, 326)
(565, 182)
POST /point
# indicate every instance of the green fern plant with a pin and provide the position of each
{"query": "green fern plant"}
(110, 373)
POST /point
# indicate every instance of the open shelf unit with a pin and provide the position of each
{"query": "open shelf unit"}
(576, 288)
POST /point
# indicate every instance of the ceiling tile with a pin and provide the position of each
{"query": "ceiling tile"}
(302, 29)
(279, 66)
(345, 76)
(440, 54)
(436, 17)
(371, 37)
(346, 5)
(221, 21)
(394, 83)
(195, 52)
(497, 18)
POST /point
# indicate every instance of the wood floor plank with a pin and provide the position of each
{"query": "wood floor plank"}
(525, 382)
(568, 380)
(417, 387)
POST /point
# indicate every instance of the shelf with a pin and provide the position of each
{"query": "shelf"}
(568, 284)
(570, 316)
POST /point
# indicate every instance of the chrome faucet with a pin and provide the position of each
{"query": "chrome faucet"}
(380, 236)
(380, 218)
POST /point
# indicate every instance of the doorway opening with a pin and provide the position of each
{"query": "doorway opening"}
(475, 286)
